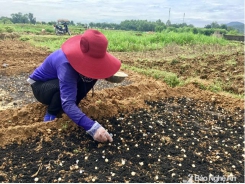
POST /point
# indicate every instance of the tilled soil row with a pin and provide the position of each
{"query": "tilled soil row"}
(173, 140)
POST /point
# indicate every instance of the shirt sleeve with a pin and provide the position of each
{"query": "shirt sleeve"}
(68, 78)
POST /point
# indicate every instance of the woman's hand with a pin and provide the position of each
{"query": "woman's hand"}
(101, 135)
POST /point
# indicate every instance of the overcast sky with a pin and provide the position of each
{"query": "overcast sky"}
(196, 12)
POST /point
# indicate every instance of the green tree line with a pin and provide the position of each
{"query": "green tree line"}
(129, 25)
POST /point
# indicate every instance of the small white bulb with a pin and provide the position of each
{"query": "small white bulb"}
(123, 161)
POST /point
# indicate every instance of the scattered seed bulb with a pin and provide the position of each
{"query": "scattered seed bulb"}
(76, 167)
(210, 161)
(176, 146)
(159, 160)
(138, 156)
(93, 180)
(103, 156)
(183, 150)
(81, 171)
(141, 163)
(86, 158)
(133, 173)
(106, 160)
(193, 165)
(127, 148)
(168, 156)
(113, 174)
(96, 168)
(59, 179)
(123, 161)
(149, 155)
(173, 174)
(233, 166)
(156, 177)
(136, 145)
(36, 179)
(180, 165)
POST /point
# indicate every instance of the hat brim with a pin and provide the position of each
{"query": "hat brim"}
(96, 68)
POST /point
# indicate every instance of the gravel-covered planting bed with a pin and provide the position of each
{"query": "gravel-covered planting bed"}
(174, 139)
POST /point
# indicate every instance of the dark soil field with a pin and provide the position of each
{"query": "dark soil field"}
(160, 133)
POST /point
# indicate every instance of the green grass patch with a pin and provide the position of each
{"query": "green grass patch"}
(169, 78)
(51, 42)
(119, 41)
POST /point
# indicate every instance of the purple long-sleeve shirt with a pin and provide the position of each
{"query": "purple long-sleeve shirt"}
(56, 66)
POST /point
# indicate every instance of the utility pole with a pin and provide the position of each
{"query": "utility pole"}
(168, 23)
(169, 14)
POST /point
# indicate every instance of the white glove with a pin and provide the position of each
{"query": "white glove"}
(99, 133)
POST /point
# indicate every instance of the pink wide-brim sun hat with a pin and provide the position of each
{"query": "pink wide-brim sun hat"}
(87, 54)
